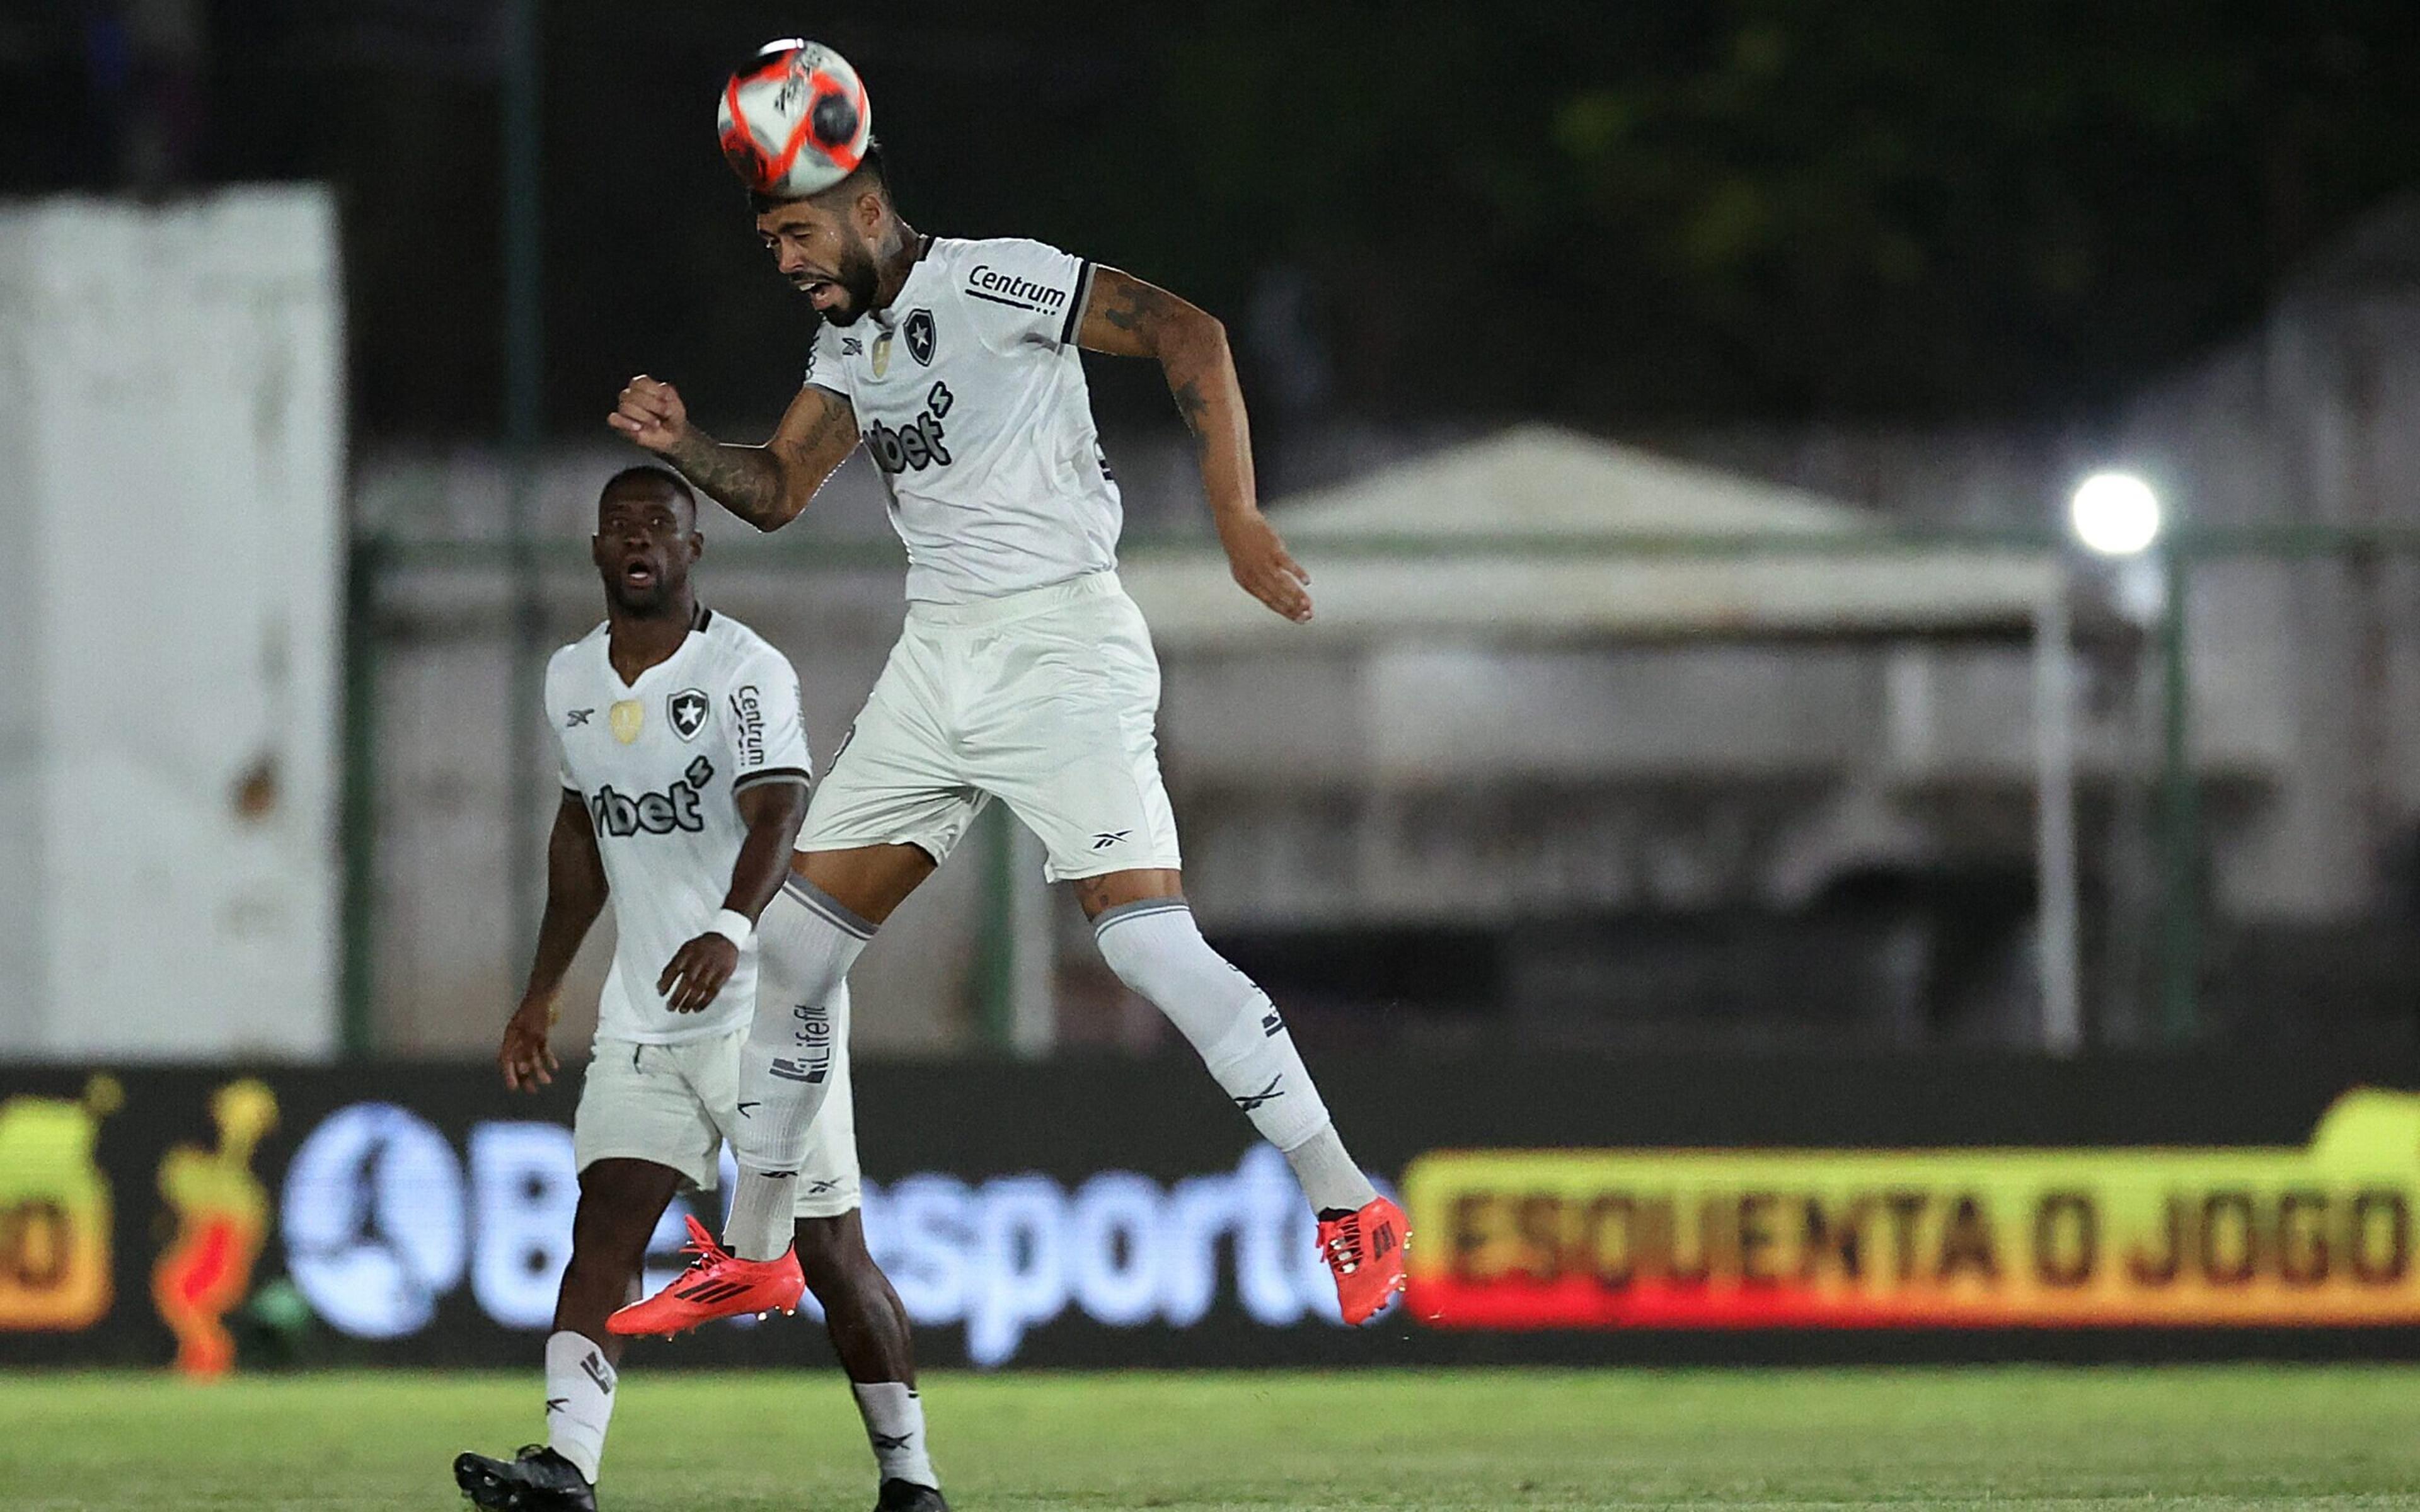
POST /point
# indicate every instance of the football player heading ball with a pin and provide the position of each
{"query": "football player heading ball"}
(1024, 672)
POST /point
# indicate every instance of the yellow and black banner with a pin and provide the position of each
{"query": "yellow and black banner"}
(1968, 1237)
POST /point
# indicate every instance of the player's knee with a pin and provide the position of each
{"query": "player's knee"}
(1155, 949)
(1154, 946)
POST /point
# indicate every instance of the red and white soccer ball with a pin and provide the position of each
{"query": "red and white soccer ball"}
(796, 121)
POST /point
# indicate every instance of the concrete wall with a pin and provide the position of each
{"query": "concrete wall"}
(172, 376)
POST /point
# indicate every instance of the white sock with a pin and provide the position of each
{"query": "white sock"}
(806, 943)
(1157, 949)
(579, 1400)
(1327, 1175)
(894, 1425)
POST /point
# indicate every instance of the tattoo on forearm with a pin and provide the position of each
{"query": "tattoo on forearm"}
(1140, 307)
(1191, 405)
(743, 479)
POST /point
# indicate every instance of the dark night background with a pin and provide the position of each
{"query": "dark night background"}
(1608, 214)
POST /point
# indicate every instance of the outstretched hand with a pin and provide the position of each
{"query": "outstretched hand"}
(651, 413)
(1264, 569)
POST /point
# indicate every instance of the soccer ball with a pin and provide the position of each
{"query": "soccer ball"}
(796, 120)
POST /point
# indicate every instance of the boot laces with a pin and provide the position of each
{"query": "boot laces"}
(702, 1248)
(1342, 1248)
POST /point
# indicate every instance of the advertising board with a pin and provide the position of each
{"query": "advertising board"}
(1088, 1212)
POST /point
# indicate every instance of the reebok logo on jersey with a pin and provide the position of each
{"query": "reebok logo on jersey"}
(578, 718)
(654, 813)
(985, 283)
(1105, 839)
(851, 347)
(919, 446)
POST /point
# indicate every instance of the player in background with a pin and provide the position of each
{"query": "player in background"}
(685, 774)
(1024, 672)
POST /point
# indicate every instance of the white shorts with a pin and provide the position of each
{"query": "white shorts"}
(1043, 699)
(674, 1104)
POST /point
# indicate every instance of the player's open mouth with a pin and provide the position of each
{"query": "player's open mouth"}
(638, 574)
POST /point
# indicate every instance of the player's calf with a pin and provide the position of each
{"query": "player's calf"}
(619, 1202)
(807, 942)
(870, 1333)
(1155, 948)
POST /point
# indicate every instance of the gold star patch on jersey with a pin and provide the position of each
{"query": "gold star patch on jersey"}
(628, 716)
(882, 354)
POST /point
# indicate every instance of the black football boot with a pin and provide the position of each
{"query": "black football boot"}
(535, 1480)
(907, 1496)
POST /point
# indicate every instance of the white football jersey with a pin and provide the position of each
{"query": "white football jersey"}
(971, 399)
(659, 764)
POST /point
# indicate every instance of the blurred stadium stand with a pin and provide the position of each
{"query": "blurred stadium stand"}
(1604, 790)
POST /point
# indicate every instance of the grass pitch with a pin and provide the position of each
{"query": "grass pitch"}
(1996, 1438)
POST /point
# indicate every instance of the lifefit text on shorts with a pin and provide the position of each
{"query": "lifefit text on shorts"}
(676, 809)
(919, 445)
(748, 726)
(811, 1045)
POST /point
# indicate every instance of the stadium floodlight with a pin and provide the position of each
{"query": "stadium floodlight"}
(2115, 515)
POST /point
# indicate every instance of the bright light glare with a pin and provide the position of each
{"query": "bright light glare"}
(2115, 514)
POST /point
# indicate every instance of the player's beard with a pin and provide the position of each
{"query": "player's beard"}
(641, 602)
(858, 278)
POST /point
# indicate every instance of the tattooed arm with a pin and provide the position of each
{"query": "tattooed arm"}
(765, 485)
(1128, 317)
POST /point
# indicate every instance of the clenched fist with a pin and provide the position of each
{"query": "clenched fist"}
(652, 414)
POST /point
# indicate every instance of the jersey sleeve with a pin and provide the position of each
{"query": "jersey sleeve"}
(825, 369)
(768, 736)
(1023, 292)
(556, 718)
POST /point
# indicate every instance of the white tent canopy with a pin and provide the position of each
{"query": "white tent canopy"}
(1543, 532)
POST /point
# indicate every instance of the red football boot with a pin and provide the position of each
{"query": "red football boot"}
(1365, 1249)
(717, 1284)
